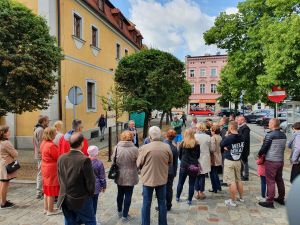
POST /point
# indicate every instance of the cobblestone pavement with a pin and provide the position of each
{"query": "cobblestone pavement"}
(212, 210)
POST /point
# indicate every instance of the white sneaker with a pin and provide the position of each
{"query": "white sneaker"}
(241, 200)
(260, 199)
(231, 203)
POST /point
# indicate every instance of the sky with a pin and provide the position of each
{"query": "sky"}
(176, 26)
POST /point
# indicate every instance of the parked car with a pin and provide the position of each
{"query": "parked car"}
(264, 121)
(253, 116)
(227, 112)
(202, 111)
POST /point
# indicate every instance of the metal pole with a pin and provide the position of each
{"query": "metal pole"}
(75, 102)
(109, 139)
(276, 110)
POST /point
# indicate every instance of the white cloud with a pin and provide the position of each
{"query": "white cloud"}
(231, 10)
(176, 26)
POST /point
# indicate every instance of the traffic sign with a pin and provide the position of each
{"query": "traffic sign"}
(75, 95)
(277, 95)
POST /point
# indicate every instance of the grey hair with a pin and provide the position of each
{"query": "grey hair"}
(155, 133)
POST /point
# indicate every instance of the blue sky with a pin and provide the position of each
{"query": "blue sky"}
(176, 26)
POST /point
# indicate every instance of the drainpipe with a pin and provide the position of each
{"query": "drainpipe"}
(59, 67)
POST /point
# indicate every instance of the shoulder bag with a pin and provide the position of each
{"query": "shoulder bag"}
(12, 167)
(114, 169)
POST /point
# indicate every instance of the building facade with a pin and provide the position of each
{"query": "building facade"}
(94, 36)
(203, 73)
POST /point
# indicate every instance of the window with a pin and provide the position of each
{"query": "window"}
(193, 88)
(202, 72)
(91, 95)
(213, 88)
(77, 26)
(94, 36)
(202, 88)
(192, 73)
(101, 5)
(118, 51)
(126, 52)
(213, 72)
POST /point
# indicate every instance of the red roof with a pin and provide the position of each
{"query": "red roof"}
(115, 17)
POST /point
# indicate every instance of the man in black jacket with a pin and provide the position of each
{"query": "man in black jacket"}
(77, 184)
(244, 130)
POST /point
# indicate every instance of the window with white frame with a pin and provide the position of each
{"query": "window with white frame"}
(91, 94)
(193, 88)
(202, 72)
(213, 88)
(94, 36)
(101, 5)
(213, 72)
(118, 51)
(77, 26)
(192, 73)
(202, 88)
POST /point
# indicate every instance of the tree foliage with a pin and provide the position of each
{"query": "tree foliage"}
(28, 57)
(152, 79)
(263, 44)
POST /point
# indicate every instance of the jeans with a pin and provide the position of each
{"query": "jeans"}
(95, 202)
(169, 194)
(124, 199)
(214, 177)
(161, 200)
(263, 185)
(295, 172)
(245, 168)
(85, 214)
(39, 178)
(200, 183)
(274, 175)
(182, 177)
(101, 134)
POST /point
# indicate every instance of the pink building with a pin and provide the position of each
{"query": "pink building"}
(203, 73)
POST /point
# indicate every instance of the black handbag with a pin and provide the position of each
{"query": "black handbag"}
(114, 169)
(12, 167)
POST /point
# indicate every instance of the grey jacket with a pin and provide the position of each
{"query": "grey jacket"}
(274, 146)
(294, 144)
(37, 140)
(127, 155)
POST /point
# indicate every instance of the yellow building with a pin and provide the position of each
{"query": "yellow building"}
(94, 36)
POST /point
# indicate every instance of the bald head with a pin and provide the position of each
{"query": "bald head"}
(274, 123)
(76, 140)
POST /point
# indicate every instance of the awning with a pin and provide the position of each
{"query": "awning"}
(207, 100)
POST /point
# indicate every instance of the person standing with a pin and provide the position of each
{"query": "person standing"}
(64, 142)
(171, 134)
(189, 153)
(177, 126)
(294, 144)
(77, 184)
(183, 119)
(8, 154)
(244, 130)
(43, 123)
(134, 131)
(233, 146)
(99, 172)
(50, 155)
(126, 156)
(194, 123)
(58, 125)
(273, 148)
(101, 124)
(223, 126)
(216, 158)
(153, 161)
(203, 140)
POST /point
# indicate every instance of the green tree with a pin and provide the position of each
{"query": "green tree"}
(262, 41)
(152, 79)
(28, 57)
(114, 102)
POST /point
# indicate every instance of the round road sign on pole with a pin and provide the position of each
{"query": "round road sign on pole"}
(277, 95)
(75, 95)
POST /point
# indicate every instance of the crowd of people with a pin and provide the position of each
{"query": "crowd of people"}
(70, 172)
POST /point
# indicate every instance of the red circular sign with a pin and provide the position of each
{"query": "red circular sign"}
(277, 95)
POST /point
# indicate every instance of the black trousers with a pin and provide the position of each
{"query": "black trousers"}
(169, 193)
(295, 172)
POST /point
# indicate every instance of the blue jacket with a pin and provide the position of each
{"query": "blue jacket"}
(294, 144)
(173, 167)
